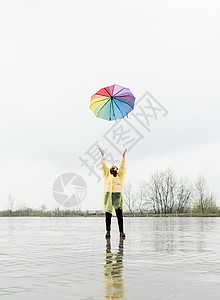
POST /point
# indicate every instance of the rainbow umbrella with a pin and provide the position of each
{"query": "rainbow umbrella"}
(112, 102)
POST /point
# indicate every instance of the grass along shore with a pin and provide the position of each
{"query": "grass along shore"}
(87, 214)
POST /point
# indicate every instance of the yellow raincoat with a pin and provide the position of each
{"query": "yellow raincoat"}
(110, 202)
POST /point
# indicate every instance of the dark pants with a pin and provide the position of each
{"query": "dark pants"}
(108, 218)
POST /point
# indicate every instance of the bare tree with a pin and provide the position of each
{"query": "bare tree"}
(211, 205)
(11, 200)
(171, 185)
(184, 195)
(129, 198)
(162, 191)
(201, 193)
(205, 202)
(142, 202)
(43, 207)
(153, 191)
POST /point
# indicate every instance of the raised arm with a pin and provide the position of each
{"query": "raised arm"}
(104, 165)
(102, 152)
(122, 164)
(123, 154)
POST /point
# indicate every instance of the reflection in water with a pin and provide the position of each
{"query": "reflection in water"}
(179, 234)
(164, 235)
(113, 268)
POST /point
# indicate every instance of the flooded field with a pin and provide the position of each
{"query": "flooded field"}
(69, 258)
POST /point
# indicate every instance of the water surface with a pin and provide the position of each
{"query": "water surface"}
(69, 258)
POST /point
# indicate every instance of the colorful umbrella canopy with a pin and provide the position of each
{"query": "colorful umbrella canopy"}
(112, 102)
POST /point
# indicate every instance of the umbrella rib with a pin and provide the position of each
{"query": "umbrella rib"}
(126, 96)
(118, 108)
(102, 107)
(123, 102)
(107, 92)
(118, 92)
(112, 111)
(98, 101)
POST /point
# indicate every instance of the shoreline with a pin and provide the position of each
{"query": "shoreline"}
(125, 215)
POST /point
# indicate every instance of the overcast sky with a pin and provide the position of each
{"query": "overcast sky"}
(55, 54)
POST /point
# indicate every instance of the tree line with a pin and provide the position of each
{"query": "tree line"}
(165, 193)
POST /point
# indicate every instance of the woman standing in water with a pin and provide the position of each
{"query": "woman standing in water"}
(112, 201)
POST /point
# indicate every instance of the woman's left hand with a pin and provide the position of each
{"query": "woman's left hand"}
(123, 155)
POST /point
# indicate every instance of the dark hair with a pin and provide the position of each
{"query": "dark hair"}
(112, 172)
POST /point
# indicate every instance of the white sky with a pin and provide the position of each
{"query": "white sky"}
(55, 54)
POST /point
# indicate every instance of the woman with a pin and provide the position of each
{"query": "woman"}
(112, 201)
